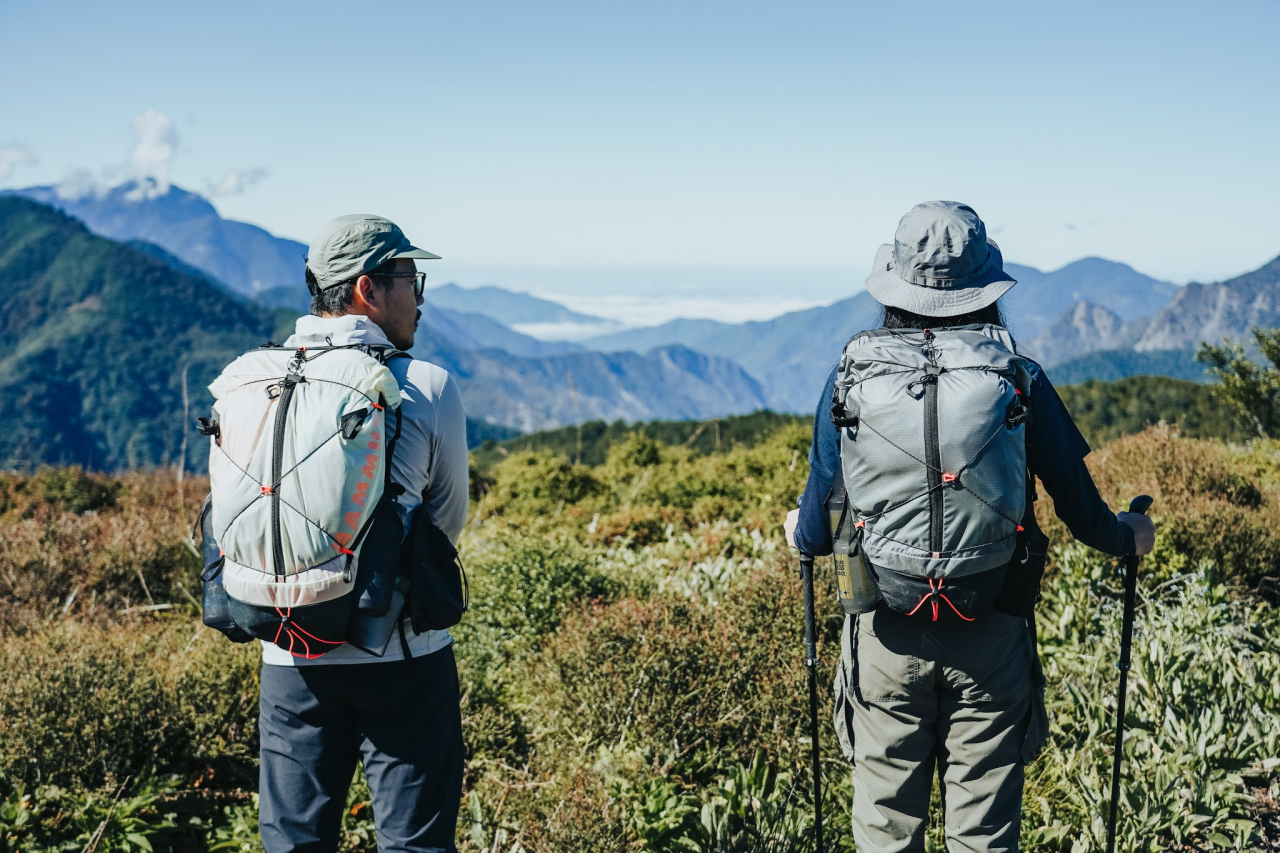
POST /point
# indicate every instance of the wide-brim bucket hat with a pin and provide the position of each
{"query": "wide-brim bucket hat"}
(941, 263)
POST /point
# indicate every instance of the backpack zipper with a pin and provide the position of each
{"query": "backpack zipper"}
(277, 466)
(934, 457)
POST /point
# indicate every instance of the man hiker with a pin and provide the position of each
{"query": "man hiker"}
(923, 442)
(398, 713)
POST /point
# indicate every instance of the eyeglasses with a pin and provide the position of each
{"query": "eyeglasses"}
(419, 279)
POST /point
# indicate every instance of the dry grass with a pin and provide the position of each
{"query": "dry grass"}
(88, 546)
(1212, 502)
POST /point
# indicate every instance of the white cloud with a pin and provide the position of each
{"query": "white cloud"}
(12, 156)
(147, 173)
(155, 143)
(78, 184)
(235, 182)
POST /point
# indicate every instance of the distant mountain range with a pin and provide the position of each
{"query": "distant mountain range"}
(242, 257)
(1211, 312)
(790, 355)
(187, 232)
(1194, 314)
(1043, 298)
(1048, 312)
(97, 335)
(510, 309)
(521, 312)
(459, 328)
(530, 394)
(1083, 328)
(1090, 319)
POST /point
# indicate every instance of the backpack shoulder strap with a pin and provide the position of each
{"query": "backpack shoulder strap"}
(391, 444)
(385, 355)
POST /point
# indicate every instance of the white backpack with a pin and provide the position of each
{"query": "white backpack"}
(299, 464)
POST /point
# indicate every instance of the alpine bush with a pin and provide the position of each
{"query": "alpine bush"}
(83, 706)
(1212, 504)
(632, 665)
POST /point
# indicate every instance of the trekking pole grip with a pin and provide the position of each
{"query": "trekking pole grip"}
(810, 621)
(1138, 506)
(1141, 504)
(811, 663)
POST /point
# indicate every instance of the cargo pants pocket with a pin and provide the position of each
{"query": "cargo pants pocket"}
(1037, 715)
(846, 686)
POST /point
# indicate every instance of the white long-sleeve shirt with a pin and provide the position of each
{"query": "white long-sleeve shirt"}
(430, 458)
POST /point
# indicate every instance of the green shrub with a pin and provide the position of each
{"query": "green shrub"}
(83, 707)
(521, 590)
(72, 490)
(142, 814)
(678, 681)
(749, 808)
(537, 486)
(1203, 707)
(591, 441)
(65, 489)
(643, 480)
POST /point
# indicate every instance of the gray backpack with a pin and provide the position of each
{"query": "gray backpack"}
(933, 459)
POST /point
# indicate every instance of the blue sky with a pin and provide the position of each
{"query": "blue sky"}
(679, 155)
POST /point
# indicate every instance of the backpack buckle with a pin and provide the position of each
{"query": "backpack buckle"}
(208, 426)
(841, 418)
(298, 362)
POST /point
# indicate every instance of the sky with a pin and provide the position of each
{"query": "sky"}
(659, 158)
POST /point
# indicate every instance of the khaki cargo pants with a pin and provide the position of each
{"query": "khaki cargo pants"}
(964, 698)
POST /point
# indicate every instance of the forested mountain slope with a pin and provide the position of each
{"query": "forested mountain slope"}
(94, 338)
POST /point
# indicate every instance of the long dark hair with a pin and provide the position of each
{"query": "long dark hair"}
(898, 318)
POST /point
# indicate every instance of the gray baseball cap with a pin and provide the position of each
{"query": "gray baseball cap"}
(941, 263)
(345, 247)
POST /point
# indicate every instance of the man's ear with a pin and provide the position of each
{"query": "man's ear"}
(366, 292)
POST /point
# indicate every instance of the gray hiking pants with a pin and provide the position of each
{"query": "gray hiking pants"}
(964, 698)
(400, 718)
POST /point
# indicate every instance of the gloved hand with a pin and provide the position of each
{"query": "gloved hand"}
(789, 526)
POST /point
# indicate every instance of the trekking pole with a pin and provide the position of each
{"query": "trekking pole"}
(1138, 505)
(811, 661)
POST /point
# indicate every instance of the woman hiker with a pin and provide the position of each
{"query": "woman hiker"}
(926, 441)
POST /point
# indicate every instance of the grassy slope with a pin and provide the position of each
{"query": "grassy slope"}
(597, 436)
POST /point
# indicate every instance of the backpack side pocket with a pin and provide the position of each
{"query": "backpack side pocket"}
(438, 593)
(215, 604)
(1021, 588)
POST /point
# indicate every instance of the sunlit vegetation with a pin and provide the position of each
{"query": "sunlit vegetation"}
(633, 663)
